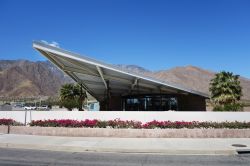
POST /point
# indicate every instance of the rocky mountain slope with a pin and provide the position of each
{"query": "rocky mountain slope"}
(22, 78)
(196, 79)
(188, 76)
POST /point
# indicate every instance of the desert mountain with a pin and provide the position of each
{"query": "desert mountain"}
(196, 79)
(22, 78)
(189, 76)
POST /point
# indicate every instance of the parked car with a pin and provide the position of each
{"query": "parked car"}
(43, 107)
(30, 108)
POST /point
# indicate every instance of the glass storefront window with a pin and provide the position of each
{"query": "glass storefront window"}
(150, 103)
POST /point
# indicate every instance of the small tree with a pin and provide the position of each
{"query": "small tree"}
(80, 95)
(70, 104)
(72, 96)
(226, 91)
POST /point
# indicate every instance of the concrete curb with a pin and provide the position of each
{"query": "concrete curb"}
(131, 133)
(116, 150)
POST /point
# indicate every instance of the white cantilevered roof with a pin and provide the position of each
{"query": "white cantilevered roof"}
(96, 77)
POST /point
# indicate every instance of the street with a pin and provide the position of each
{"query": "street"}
(14, 157)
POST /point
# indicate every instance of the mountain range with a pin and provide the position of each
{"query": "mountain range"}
(23, 78)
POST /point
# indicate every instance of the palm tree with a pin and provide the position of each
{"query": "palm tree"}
(225, 88)
(72, 96)
(67, 91)
(80, 95)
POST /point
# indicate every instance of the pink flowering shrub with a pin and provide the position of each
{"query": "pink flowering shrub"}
(169, 124)
(117, 123)
(64, 123)
(9, 122)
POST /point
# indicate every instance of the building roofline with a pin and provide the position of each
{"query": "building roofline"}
(85, 59)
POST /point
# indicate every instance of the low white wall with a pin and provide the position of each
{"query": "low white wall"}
(139, 116)
(16, 115)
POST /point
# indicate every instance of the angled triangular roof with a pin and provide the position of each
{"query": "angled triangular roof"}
(96, 77)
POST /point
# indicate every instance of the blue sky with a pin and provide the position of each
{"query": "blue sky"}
(154, 34)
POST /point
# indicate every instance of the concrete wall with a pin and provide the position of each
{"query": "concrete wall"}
(132, 133)
(16, 115)
(3, 129)
(123, 115)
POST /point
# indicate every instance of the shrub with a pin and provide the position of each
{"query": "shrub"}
(10, 122)
(102, 124)
(117, 123)
(64, 123)
(218, 108)
(169, 124)
(69, 103)
(233, 107)
(229, 107)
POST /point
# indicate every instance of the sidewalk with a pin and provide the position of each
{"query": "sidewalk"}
(171, 146)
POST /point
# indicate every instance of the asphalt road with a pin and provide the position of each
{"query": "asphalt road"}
(14, 157)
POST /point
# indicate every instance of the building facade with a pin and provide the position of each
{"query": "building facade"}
(119, 90)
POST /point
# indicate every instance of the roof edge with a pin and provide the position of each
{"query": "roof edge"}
(66, 53)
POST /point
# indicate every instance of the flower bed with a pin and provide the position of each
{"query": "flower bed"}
(117, 123)
(128, 129)
(10, 122)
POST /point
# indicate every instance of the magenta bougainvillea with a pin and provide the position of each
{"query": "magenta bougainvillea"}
(9, 122)
(117, 123)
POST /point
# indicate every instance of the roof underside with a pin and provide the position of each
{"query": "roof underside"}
(97, 77)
